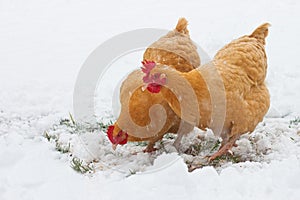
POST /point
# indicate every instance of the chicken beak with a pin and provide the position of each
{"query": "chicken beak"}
(114, 146)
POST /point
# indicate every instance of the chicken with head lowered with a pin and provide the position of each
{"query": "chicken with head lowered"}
(137, 120)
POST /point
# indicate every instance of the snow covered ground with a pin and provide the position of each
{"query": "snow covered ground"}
(42, 47)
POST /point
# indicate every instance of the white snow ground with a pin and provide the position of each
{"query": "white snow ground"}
(44, 43)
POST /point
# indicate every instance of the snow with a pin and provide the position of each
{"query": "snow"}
(44, 44)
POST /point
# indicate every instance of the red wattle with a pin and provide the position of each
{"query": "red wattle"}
(124, 141)
(154, 88)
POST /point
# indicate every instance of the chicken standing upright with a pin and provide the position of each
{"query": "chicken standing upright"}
(236, 75)
(175, 50)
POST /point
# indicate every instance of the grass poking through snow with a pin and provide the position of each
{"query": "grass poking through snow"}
(294, 122)
(73, 138)
(79, 166)
(70, 126)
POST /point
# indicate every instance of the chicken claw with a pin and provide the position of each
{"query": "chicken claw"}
(149, 149)
(197, 163)
(225, 148)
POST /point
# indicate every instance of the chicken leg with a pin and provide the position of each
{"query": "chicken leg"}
(150, 147)
(183, 130)
(226, 145)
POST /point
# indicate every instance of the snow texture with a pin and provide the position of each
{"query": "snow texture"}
(43, 45)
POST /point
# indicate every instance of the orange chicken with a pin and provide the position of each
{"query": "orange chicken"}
(175, 50)
(228, 95)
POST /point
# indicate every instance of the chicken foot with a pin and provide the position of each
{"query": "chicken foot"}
(177, 142)
(225, 147)
(150, 147)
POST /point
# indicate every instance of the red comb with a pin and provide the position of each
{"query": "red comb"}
(148, 66)
(116, 139)
(110, 133)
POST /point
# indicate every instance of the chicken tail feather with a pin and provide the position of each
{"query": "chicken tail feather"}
(261, 32)
(182, 26)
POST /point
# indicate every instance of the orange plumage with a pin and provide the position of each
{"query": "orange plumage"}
(228, 95)
(165, 51)
(241, 67)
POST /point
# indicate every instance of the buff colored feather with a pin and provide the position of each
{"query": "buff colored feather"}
(176, 50)
(241, 66)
